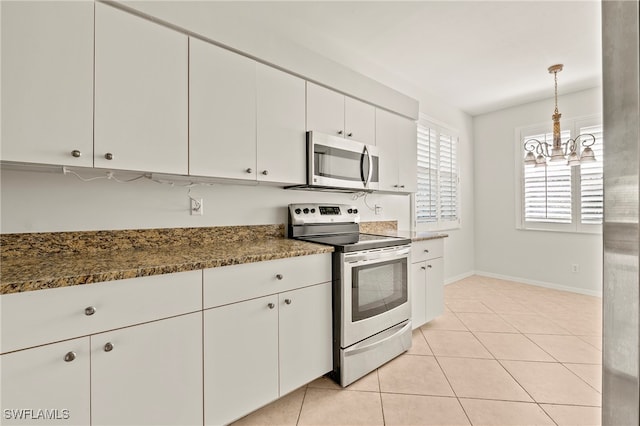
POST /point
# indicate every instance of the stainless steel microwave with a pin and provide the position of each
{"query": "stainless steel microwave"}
(334, 162)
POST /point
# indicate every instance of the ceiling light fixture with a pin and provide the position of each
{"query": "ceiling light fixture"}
(537, 152)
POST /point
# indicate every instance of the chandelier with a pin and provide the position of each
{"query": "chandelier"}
(537, 152)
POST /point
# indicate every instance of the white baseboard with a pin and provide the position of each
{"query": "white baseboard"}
(540, 283)
(451, 280)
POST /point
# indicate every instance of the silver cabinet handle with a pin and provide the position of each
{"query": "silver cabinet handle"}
(279, 276)
(429, 266)
(265, 172)
(76, 153)
(271, 305)
(69, 356)
(89, 311)
(287, 301)
(249, 170)
(108, 156)
(340, 132)
(108, 347)
(423, 268)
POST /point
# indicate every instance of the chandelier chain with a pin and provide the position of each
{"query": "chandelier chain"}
(555, 78)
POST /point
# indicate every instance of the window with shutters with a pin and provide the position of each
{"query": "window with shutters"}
(436, 202)
(560, 197)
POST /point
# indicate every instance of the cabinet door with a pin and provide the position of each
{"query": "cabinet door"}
(435, 288)
(305, 336)
(418, 294)
(387, 143)
(407, 155)
(281, 141)
(359, 121)
(140, 94)
(47, 82)
(42, 378)
(325, 110)
(151, 375)
(222, 112)
(240, 358)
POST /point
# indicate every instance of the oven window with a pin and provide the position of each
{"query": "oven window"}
(378, 288)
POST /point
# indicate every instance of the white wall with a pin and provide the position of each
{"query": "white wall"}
(39, 202)
(529, 256)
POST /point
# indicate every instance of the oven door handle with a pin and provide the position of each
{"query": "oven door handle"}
(375, 256)
(388, 335)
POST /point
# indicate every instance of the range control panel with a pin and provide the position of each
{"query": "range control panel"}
(301, 214)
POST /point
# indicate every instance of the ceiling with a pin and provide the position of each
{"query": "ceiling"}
(478, 56)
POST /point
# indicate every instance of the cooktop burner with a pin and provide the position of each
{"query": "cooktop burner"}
(336, 225)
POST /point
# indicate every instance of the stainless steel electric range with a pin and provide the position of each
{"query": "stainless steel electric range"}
(371, 305)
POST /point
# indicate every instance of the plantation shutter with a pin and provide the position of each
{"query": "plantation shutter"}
(547, 190)
(591, 181)
(448, 177)
(426, 195)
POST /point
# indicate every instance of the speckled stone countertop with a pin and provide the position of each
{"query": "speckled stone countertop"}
(390, 228)
(49, 260)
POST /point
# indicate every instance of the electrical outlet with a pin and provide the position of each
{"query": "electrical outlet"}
(377, 209)
(197, 207)
(575, 268)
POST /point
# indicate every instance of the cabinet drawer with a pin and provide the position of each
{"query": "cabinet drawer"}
(429, 249)
(235, 283)
(44, 316)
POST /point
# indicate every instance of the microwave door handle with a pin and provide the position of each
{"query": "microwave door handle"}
(370, 166)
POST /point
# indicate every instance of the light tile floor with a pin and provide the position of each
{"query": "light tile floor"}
(503, 353)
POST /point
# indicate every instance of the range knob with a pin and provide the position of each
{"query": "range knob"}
(298, 211)
(313, 210)
(355, 211)
(350, 211)
(305, 211)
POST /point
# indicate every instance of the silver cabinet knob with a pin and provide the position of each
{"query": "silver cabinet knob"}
(287, 301)
(349, 134)
(279, 276)
(401, 186)
(108, 156)
(265, 172)
(426, 251)
(395, 186)
(69, 356)
(249, 170)
(76, 153)
(424, 268)
(340, 132)
(89, 311)
(108, 347)
(429, 266)
(271, 305)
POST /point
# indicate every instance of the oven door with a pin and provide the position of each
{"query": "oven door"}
(375, 292)
(341, 163)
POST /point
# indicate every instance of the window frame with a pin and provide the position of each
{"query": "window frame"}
(439, 224)
(576, 225)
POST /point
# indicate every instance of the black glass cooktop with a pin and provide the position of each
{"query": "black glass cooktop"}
(356, 241)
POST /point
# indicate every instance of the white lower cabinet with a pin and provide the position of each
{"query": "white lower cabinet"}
(260, 349)
(149, 374)
(47, 385)
(427, 297)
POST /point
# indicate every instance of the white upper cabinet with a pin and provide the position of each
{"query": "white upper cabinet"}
(333, 113)
(47, 82)
(281, 137)
(359, 121)
(325, 110)
(396, 138)
(222, 112)
(141, 78)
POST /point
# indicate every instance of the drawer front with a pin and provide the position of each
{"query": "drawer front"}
(230, 284)
(43, 316)
(428, 249)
